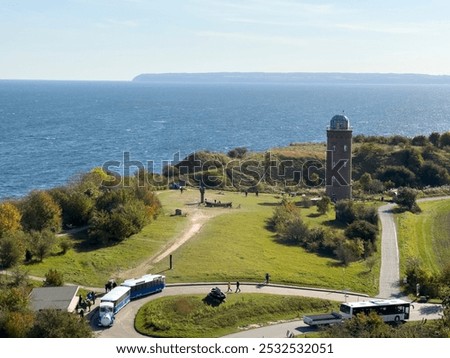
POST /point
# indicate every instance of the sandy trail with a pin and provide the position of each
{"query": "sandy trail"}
(197, 218)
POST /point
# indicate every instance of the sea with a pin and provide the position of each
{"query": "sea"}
(52, 131)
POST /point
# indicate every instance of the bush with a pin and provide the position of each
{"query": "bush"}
(406, 199)
(363, 230)
(238, 152)
(347, 211)
(53, 278)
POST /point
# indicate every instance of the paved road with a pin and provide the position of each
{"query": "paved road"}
(389, 272)
(124, 324)
(390, 264)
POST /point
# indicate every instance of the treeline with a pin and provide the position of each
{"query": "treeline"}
(28, 226)
(381, 163)
(357, 242)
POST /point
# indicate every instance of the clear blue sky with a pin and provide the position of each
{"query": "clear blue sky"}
(119, 39)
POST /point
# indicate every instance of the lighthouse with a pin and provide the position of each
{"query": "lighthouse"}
(338, 178)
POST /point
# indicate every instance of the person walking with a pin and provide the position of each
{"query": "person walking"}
(267, 278)
(229, 287)
(238, 289)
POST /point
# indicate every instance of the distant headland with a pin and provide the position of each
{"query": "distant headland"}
(293, 78)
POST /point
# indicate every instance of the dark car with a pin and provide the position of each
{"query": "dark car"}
(217, 294)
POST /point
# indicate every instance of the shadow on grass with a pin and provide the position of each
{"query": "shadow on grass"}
(269, 204)
(335, 224)
(210, 301)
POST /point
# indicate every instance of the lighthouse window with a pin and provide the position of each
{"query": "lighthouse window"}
(345, 148)
(334, 147)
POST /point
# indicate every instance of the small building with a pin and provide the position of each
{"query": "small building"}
(338, 178)
(63, 298)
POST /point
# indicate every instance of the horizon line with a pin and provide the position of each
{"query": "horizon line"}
(233, 72)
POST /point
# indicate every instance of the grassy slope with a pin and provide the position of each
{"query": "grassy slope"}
(237, 246)
(425, 235)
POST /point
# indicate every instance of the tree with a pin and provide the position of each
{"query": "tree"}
(58, 324)
(76, 205)
(18, 324)
(444, 140)
(349, 251)
(406, 199)
(433, 174)
(323, 205)
(9, 218)
(65, 244)
(119, 215)
(420, 141)
(40, 212)
(398, 175)
(295, 231)
(15, 299)
(365, 181)
(418, 278)
(434, 138)
(41, 243)
(11, 249)
(410, 158)
(363, 230)
(345, 211)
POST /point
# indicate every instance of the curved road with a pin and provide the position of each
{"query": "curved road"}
(389, 287)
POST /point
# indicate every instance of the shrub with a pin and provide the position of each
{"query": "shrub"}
(53, 278)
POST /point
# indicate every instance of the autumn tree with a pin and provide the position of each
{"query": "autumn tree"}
(41, 212)
(10, 218)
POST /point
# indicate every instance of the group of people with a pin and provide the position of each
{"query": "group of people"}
(84, 304)
(238, 288)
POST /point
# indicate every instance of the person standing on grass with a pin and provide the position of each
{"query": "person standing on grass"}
(267, 278)
(237, 287)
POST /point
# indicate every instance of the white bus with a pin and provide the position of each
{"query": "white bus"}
(391, 310)
(111, 303)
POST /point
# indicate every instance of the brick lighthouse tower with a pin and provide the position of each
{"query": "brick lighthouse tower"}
(338, 178)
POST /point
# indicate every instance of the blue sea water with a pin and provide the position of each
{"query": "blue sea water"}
(53, 130)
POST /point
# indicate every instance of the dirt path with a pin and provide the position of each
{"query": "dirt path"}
(197, 217)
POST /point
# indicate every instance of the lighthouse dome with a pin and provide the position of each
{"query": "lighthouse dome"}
(339, 121)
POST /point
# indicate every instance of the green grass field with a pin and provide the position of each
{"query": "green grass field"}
(234, 244)
(237, 246)
(426, 235)
(188, 316)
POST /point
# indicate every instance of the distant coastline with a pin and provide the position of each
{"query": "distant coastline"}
(294, 78)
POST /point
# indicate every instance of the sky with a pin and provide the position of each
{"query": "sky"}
(120, 39)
